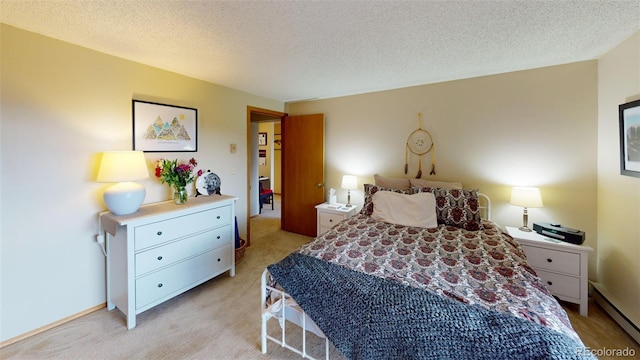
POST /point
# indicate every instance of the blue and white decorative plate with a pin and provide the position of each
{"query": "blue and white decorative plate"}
(208, 184)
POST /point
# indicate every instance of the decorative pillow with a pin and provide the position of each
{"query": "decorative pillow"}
(369, 190)
(409, 210)
(455, 207)
(435, 184)
(392, 183)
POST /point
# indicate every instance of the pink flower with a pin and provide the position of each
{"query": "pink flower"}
(174, 174)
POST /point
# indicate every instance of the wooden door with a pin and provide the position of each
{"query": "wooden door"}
(302, 172)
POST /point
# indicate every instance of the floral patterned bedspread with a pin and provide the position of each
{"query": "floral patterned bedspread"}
(485, 267)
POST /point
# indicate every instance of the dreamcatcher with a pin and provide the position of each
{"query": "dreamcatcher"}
(420, 143)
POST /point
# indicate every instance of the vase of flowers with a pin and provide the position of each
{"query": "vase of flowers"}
(177, 175)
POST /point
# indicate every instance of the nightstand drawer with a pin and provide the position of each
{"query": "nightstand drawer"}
(553, 260)
(561, 285)
(330, 220)
(561, 266)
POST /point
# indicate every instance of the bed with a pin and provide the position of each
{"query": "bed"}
(386, 284)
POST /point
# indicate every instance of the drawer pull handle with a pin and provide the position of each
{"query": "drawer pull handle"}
(159, 233)
(218, 260)
(549, 260)
(218, 217)
(160, 285)
(549, 283)
(159, 257)
(218, 236)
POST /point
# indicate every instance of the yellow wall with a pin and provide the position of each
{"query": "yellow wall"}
(618, 196)
(62, 105)
(266, 169)
(535, 128)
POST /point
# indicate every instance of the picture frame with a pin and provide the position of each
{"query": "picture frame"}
(164, 128)
(262, 139)
(629, 115)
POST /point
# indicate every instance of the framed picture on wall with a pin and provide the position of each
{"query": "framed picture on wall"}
(262, 139)
(164, 128)
(629, 114)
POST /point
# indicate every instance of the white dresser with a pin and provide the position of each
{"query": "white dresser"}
(328, 215)
(164, 249)
(562, 266)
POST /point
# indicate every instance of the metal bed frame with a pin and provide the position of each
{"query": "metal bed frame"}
(289, 311)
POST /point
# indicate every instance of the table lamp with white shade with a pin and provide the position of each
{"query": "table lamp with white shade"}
(527, 197)
(349, 182)
(122, 168)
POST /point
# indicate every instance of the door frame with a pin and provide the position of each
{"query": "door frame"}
(255, 114)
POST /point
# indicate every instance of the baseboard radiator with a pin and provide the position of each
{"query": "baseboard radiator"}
(599, 293)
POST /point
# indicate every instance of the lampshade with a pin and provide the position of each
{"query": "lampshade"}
(349, 182)
(123, 167)
(526, 197)
(117, 166)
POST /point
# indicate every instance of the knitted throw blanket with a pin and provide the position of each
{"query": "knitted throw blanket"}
(367, 317)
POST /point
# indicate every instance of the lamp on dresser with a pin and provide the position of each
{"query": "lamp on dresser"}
(123, 168)
(349, 182)
(526, 197)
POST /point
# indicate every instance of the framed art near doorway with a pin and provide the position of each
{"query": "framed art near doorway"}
(164, 128)
(629, 114)
(262, 139)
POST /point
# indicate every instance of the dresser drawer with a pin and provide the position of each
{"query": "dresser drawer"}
(330, 220)
(163, 231)
(561, 285)
(175, 251)
(553, 260)
(182, 275)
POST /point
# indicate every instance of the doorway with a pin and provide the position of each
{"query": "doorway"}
(302, 171)
(257, 118)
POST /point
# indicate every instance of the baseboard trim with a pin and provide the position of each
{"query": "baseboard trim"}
(615, 313)
(50, 326)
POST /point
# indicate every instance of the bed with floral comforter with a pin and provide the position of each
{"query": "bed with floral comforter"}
(383, 290)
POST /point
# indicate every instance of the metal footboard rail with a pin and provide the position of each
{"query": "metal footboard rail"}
(267, 314)
(485, 204)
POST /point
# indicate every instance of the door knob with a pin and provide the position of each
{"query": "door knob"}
(319, 185)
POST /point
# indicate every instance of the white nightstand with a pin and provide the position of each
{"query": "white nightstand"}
(562, 266)
(331, 214)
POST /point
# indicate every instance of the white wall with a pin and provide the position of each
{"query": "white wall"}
(618, 196)
(62, 105)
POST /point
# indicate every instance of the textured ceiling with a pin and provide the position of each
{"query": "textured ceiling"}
(295, 50)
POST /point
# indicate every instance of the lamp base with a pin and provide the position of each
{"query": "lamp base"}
(124, 198)
(524, 228)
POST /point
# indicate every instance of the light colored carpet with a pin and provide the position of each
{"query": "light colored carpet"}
(220, 319)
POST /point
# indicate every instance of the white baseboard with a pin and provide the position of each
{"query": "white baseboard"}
(599, 294)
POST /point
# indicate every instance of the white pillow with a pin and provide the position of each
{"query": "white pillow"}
(403, 209)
